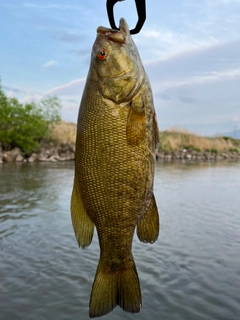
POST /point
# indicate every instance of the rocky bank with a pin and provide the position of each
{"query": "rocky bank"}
(66, 152)
(47, 153)
(189, 155)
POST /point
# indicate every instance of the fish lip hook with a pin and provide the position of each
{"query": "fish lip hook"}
(141, 11)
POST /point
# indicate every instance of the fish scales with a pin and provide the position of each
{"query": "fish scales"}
(115, 158)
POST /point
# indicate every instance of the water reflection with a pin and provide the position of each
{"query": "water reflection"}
(190, 273)
(27, 190)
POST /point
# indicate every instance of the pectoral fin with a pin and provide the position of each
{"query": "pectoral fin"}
(148, 226)
(135, 128)
(141, 109)
(136, 121)
(82, 225)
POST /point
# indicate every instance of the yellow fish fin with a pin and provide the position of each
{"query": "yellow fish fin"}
(135, 130)
(148, 226)
(115, 287)
(82, 225)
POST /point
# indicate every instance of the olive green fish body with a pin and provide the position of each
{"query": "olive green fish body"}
(115, 157)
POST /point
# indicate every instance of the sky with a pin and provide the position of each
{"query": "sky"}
(190, 50)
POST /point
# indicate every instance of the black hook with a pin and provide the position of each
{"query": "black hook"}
(141, 10)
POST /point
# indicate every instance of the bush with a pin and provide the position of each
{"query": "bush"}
(233, 150)
(24, 126)
(212, 150)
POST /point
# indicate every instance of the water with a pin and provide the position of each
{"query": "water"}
(191, 272)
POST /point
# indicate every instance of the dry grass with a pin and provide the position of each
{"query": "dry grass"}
(64, 132)
(171, 140)
(175, 140)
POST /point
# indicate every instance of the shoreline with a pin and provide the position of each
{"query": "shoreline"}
(197, 156)
(66, 152)
(47, 153)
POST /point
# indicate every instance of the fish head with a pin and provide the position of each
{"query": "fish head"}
(115, 59)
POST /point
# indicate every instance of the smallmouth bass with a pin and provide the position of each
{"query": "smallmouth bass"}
(117, 134)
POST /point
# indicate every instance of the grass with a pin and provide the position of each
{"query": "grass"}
(176, 139)
(172, 140)
(64, 132)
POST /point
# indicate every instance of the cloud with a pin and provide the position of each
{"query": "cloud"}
(69, 94)
(189, 100)
(166, 43)
(37, 6)
(82, 52)
(199, 88)
(212, 63)
(50, 6)
(226, 50)
(74, 87)
(72, 100)
(50, 63)
(10, 94)
(225, 2)
(71, 37)
(15, 90)
(191, 56)
(236, 119)
(174, 41)
(212, 77)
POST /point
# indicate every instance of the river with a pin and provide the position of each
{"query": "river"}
(191, 272)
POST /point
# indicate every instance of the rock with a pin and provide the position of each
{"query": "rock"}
(1, 154)
(19, 158)
(66, 151)
(52, 159)
(41, 157)
(10, 156)
(193, 155)
(33, 158)
(72, 148)
(66, 156)
(159, 155)
(218, 157)
(225, 156)
(175, 156)
(55, 156)
(168, 157)
(47, 151)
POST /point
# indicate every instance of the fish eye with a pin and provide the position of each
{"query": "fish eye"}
(102, 54)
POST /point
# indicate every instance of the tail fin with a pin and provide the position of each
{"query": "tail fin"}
(118, 287)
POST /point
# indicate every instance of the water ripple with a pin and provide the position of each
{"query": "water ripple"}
(190, 273)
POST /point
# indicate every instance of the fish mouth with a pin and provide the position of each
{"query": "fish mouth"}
(118, 36)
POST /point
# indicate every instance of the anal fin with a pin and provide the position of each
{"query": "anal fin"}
(148, 226)
(82, 224)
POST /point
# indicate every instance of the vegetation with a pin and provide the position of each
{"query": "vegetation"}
(24, 126)
(176, 139)
(64, 132)
(170, 141)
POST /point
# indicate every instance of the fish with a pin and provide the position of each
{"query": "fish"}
(117, 134)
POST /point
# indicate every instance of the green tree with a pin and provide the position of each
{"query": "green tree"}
(50, 110)
(24, 126)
